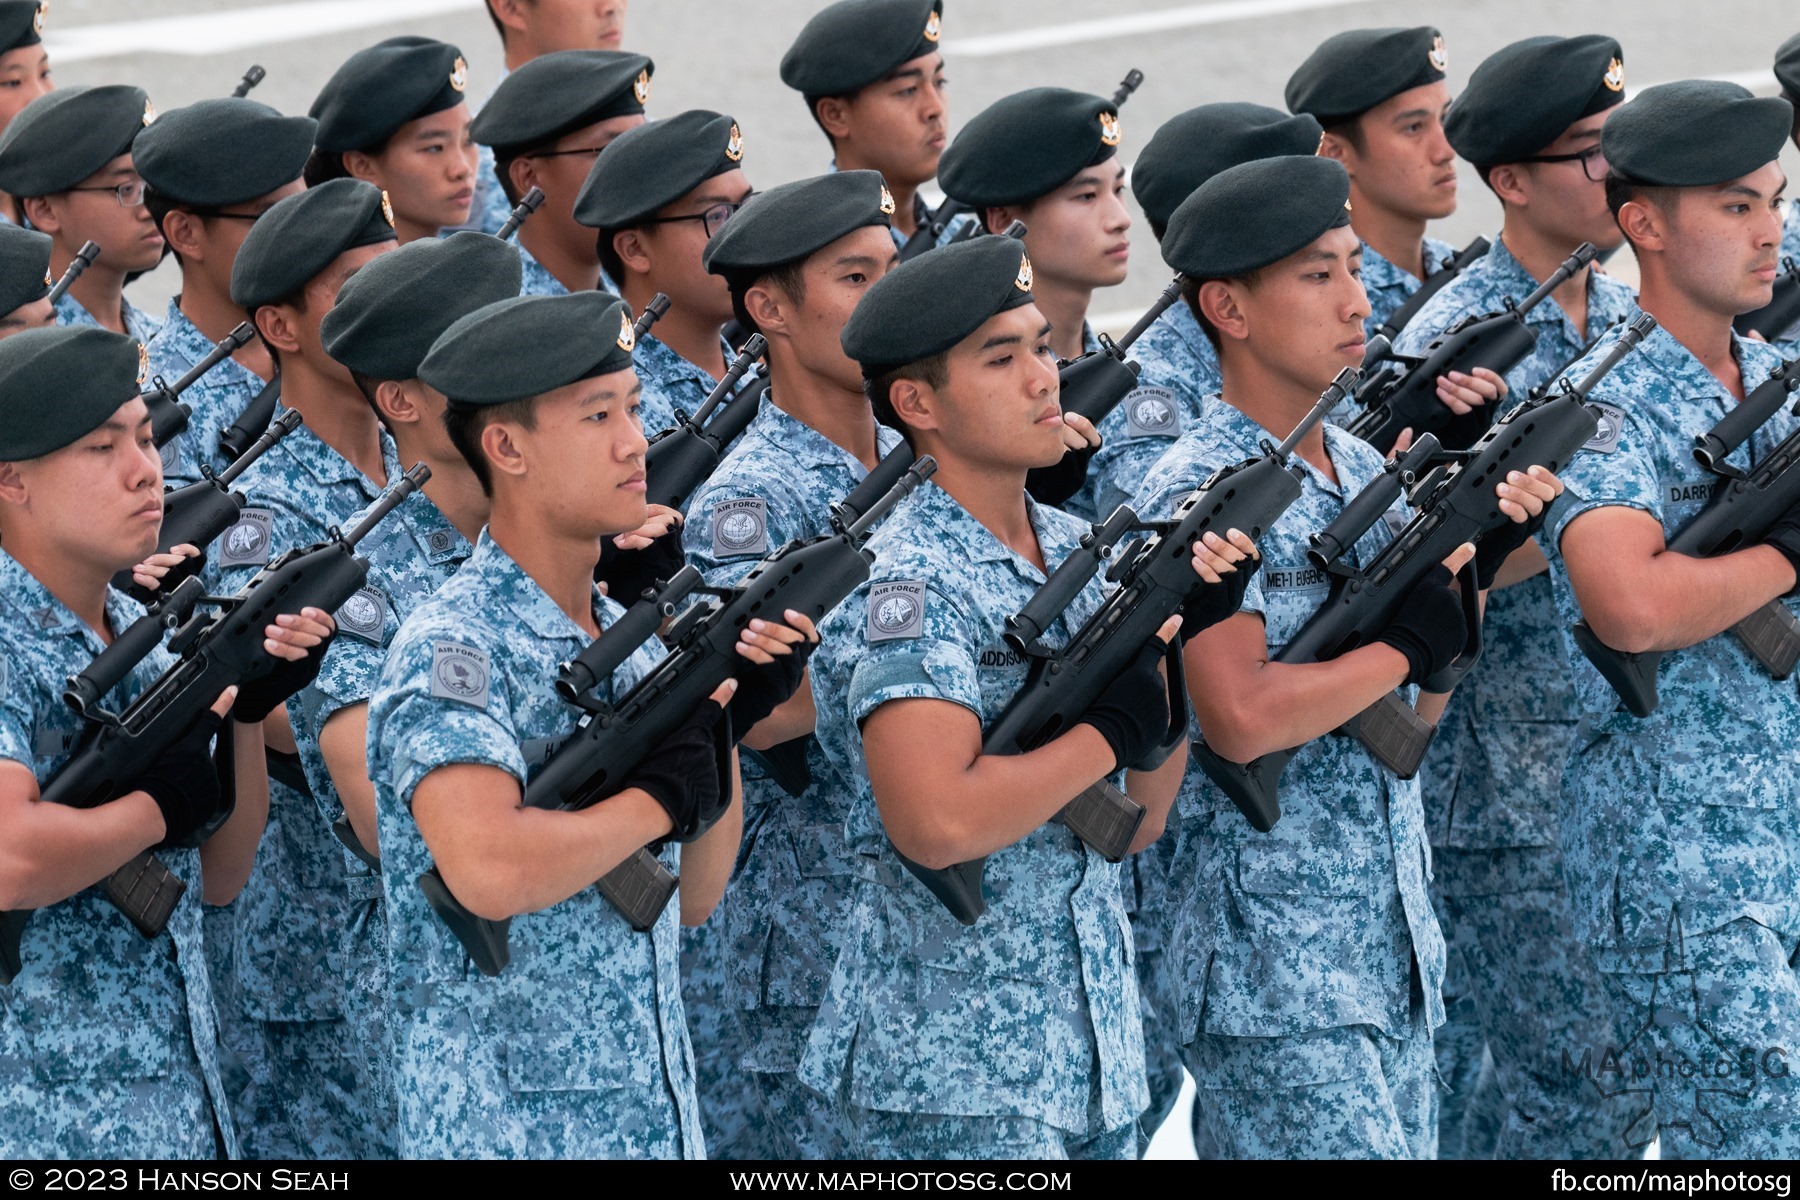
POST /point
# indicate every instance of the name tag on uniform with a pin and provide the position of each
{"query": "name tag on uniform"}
(363, 615)
(999, 657)
(896, 610)
(47, 741)
(740, 527)
(1288, 579)
(1151, 412)
(246, 544)
(1688, 491)
(460, 673)
(1612, 424)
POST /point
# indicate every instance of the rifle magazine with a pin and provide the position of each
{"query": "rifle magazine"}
(1772, 636)
(1395, 735)
(640, 888)
(1105, 818)
(147, 892)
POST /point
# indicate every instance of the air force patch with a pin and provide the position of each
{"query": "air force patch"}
(740, 527)
(896, 610)
(363, 614)
(460, 673)
(1150, 412)
(1612, 424)
(246, 544)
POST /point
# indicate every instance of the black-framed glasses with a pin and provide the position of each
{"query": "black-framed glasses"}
(713, 219)
(129, 195)
(1592, 160)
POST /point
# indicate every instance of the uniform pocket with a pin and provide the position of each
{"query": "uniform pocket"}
(586, 1061)
(1298, 869)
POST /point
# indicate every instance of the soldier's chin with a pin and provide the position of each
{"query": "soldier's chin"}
(626, 512)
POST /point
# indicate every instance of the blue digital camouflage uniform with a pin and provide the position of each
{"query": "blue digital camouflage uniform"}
(107, 1045)
(1306, 961)
(1681, 840)
(490, 209)
(138, 323)
(305, 1096)
(1491, 783)
(216, 397)
(1789, 341)
(411, 554)
(579, 1048)
(1389, 286)
(756, 971)
(670, 382)
(538, 281)
(1021, 1035)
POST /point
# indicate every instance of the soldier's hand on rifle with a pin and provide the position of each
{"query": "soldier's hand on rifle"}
(299, 640)
(149, 573)
(1217, 560)
(1462, 393)
(1078, 433)
(1524, 496)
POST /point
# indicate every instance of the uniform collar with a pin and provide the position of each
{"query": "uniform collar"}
(1246, 438)
(1677, 362)
(808, 446)
(655, 355)
(523, 595)
(182, 340)
(44, 613)
(1179, 319)
(1378, 272)
(538, 272)
(975, 542)
(439, 540)
(327, 467)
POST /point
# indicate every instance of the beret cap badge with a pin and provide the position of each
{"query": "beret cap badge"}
(387, 209)
(1440, 57)
(48, 282)
(459, 74)
(627, 335)
(1614, 78)
(149, 113)
(1023, 282)
(734, 145)
(1109, 129)
(143, 375)
(37, 19)
(934, 26)
(641, 87)
(887, 201)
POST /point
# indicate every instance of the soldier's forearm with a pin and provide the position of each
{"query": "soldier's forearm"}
(51, 851)
(227, 856)
(706, 862)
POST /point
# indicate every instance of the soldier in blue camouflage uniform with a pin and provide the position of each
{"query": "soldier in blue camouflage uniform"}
(797, 260)
(66, 161)
(656, 196)
(1787, 73)
(1381, 96)
(1679, 833)
(1306, 961)
(1494, 771)
(303, 1096)
(578, 1049)
(546, 124)
(210, 170)
(24, 280)
(23, 56)
(1018, 1036)
(110, 1045)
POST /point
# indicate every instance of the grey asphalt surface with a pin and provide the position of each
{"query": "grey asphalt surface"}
(723, 55)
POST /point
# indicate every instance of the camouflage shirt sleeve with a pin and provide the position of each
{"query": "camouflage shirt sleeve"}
(927, 654)
(445, 699)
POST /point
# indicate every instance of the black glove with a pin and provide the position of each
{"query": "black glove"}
(185, 785)
(1497, 546)
(764, 687)
(1132, 714)
(1214, 602)
(1784, 535)
(627, 574)
(260, 697)
(1429, 627)
(689, 773)
(1062, 479)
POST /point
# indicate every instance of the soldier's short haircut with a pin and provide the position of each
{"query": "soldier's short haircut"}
(933, 372)
(465, 426)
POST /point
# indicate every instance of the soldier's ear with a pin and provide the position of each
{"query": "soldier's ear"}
(42, 214)
(182, 231)
(1645, 224)
(395, 404)
(362, 166)
(278, 327)
(999, 220)
(12, 484)
(768, 308)
(1220, 305)
(629, 245)
(1508, 182)
(833, 113)
(500, 445)
(914, 402)
(1336, 147)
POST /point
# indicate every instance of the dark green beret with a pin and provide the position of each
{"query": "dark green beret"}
(1354, 71)
(21, 23)
(1194, 146)
(300, 236)
(1787, 65)
(64, 137)
(1027, 145)
(1524, 96)
(928, 305)
(1254, 214)
(24, 267)
(380, 89)
(390, 312)
(219, 152)
(59, 385)
(529, 345)
(851, 44)
(1695, 133)
(785, 224)
(556, 93)
(656, 164)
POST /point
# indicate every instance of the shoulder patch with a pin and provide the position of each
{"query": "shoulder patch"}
(1150, 412)
(459, 672)
(740, 527)
(1612, 424)
(246, 544)
(896, 610)
(363, 615)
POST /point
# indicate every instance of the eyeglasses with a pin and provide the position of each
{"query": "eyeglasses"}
(129, 195)
(713, 219)
(1592, 160)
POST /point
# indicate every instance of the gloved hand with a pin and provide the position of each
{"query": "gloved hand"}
(627, 574)
(689, 773)
(1496, 547)
(260, 697)
(1429, 627)
(1216, 601)
(1785, 537)
(1132, 714)
(764, 687)
(185, 785)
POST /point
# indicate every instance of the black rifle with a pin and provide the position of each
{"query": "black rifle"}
(684, 457)
(1134, 78)
(1405, 394)
(84, 258)
(168, 416)
(1782, 312)
(653, 312)
(528, 204)
(1092, 385)
(197, 514)
(1743, 506)
(611, 739)
(1433, 284)
(1155, 578)
(214, 650)
(1454, 504)
(253, 421)
(926, 236)
(251, 78)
